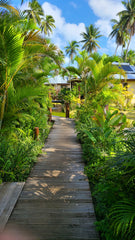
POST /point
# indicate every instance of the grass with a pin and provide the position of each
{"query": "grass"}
(59, 114)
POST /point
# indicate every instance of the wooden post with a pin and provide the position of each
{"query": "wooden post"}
(50, 110)
(36, 133)
(50, 114)
(79, 92)
(67, 110)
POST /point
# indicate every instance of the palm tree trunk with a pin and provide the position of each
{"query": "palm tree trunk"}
(3, 108)
(122, 50)
(116, 49)
(128, 46)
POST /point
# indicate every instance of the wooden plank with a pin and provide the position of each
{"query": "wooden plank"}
(56, 203)
(70, 231)
(9, 193)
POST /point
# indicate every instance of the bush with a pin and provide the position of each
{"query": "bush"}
(109, 153)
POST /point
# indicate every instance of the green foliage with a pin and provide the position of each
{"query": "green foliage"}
(90, 37)
(18, 154)
(123, 219)
(65, 95)
(109, 155)
(108, 151)
(26, 60)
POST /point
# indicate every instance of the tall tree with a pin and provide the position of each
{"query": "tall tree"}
(118, 33)
(47, 24)
(71, 49)
(35, 12)
(90, 38)
(127, 19)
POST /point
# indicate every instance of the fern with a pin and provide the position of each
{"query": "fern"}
(122, 216)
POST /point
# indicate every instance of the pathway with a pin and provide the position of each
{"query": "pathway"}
(56, 203)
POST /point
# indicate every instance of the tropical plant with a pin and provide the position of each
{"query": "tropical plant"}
(34, 12)
(11, 52)
(90, 38)
(47, 24)
(71, 49)
(123, 219)
(21, 48)
(100, 75)
(130, 57)
(119, 34)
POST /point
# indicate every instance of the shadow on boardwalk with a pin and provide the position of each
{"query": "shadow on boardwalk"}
(56, 203)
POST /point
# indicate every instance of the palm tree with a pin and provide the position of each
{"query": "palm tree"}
(118, 33)
(5, 4)
(71, 49)
(127, 19)
(11, 53)
(130, 56)
(35, 12)
(47, 24)
(20, 47)
(95, 73)
(90, 38)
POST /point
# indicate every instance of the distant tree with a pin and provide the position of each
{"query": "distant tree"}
(127, 20)
(119, 34)
(47, 24)
(35, 12)
(130, 57)
(90, 38)
(71, 49)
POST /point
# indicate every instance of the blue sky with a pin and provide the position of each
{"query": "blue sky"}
(71, 17)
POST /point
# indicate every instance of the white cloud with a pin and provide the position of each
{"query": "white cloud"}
(64, 31)
(72, 31)
(104, 26)
(50, 9)
(106, 9)
(67, 60)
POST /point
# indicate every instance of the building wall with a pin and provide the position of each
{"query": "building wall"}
(131, 88)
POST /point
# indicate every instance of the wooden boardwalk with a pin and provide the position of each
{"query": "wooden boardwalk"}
(56, 203)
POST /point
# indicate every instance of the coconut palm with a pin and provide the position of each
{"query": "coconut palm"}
(71, 49)
(130, 56)
(127, 19)
(47, 24)
(35, 12)
(118, 33)
(5, 4)
(90, 38)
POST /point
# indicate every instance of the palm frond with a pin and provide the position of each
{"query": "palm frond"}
(122, 216)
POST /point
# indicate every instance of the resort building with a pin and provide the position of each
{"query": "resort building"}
(129, 83)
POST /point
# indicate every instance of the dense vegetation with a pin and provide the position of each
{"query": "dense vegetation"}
(26, 60)
(98, 100)
(108, 145)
